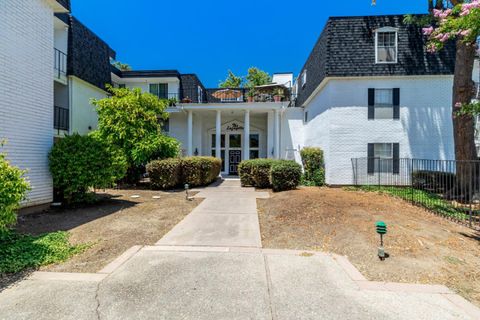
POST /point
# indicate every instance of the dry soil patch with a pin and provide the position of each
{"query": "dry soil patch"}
(423, 248)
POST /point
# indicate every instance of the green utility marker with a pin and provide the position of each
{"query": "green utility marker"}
(381, 228)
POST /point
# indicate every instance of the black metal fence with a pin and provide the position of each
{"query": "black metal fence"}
(446, 187)
(61, 118)
(60, 64)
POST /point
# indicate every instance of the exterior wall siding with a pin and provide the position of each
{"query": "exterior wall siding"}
(339, 121)
(26, 90)
(83, 117)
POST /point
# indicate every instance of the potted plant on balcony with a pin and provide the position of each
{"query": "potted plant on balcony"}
(278, 94)
(186, 100)
(172, 102)
(251, 95)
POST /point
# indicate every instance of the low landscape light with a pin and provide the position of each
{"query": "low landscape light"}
(186, 191)
(381, 228)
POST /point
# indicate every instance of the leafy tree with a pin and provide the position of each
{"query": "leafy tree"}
(232, 81)
(13, 189)
(257, 77)
(122, 66)
(79, 163)
(130, 119)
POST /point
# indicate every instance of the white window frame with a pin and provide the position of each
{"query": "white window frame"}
(386, 30)
(200, 94)
(383, 164)
(304, 78)
(377, 105)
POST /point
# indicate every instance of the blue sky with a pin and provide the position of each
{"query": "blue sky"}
(211, 36)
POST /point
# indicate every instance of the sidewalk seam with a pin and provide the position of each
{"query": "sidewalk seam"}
(269, 288)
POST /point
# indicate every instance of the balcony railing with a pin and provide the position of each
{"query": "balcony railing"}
(232, 95)
(60, 118)
(60, 64)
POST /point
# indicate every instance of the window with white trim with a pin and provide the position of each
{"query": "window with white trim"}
(386, 45)
(383, 154)
(383, 103)
(304, 78)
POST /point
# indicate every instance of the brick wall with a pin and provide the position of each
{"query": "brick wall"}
(26, 90)
(338, 121)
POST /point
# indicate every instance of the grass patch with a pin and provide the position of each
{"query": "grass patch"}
(19, 251)
(423, 198)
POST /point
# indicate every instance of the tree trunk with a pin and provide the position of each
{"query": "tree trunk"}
(464, 125)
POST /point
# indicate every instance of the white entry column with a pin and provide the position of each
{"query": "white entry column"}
(277, 134)
(218, 135)
(190, 133)
(246, 136)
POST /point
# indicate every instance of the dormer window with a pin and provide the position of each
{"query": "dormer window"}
(386, 45)
(304, 78)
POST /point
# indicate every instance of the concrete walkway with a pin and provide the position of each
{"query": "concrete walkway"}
(212, 266)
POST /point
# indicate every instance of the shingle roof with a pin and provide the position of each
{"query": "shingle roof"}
(346, 48)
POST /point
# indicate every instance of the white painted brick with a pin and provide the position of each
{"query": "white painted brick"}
(26, 90)
(339, 121)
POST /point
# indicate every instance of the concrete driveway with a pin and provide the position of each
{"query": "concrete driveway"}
(212, 266)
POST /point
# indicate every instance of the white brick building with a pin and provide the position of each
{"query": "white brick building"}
(26, 89)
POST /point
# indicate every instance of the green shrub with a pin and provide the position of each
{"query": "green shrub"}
(165, 174)
(79, 163)
(434, 181)
(200, 171)
(18, 251)
(285, 175)
(313, 165)
(261, 172)
(245, 173)
(196, 171)
(13, 189)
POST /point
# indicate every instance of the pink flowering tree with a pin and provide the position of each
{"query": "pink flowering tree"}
(460, 23)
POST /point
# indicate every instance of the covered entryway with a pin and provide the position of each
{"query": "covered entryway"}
(233, 145)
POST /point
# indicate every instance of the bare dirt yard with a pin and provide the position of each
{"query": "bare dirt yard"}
(112, 226)
(423, 248)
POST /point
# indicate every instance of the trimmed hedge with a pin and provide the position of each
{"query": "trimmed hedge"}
(200, 171)
(313, 165)
(434, 181)
(245, 173)
(259, 173)
(165, 174)
(175, 172)
(285, 175)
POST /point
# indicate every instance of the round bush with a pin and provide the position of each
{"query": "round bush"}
(245, 173)
(285, 175)
(165, 174)
(79, 163)
(261, 172)
(200, 171)
(196, 171)
(13, 189)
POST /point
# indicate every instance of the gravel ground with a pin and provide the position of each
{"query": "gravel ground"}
(423, 248)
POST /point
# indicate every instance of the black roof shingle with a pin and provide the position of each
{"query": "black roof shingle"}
(346, 48)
